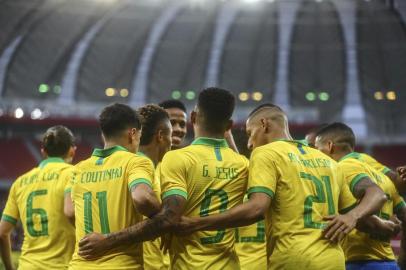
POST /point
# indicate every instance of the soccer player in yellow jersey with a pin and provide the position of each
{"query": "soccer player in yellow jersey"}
(37, 199)
(204, 178)
(154, 143)
(295, 187)
(112, 189)
(399, 183)
(362, 250)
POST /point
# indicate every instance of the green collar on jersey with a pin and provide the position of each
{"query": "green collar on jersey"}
(51, 160)
(350, 155)
(210, 142)
(304, 142)
(107, 152)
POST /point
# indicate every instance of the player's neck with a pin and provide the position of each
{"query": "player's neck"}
(282, 135)
(339, 155)
(112, 143)
(199, 132)
(151, 151)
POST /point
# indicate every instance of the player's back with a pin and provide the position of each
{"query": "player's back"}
(305, 185)
(213, 178)
(103, 203)
(360, 246)
(37, 198)
(373, 163)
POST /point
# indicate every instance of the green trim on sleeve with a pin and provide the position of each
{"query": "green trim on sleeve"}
(9, 219)
(347, 209)
(139, 181)
(174, 192)
(399, 206)
(356, 179)
(68, 190)
(385, 170)
(265, 190)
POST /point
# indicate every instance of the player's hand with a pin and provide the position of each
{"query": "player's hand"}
(187, 226)
(93, 246)
(339, 226)
(402, 172)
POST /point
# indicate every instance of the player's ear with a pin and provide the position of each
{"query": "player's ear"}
(43, 153)
(159, 136)
(330, 147)
(193, 116)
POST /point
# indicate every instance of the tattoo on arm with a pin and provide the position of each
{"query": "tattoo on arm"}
(149, 229)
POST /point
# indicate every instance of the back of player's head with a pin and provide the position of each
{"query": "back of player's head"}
(217, 106)
(339, 133)
(263, 107)
(116, 118)
(57, 141)
(152, 117)
(311, 134)
(173, 103)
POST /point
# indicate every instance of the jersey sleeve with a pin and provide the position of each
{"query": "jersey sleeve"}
(140, 170)
(263, 173)
(346, 200)
(353, 173)
(173, 175)
(67, 179)
(10, 212)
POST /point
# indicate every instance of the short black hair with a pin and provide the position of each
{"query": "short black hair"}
(151, 117)
(173, 103)
(340, 133)
(57, 141)
(217, 106)
(117, 117)
(265, 105)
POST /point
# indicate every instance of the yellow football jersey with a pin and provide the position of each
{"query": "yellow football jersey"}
(101, 193)
(154, 258)
(37, 198)
(305, 185)
(373, 163)
(359, 246)
(213, 178)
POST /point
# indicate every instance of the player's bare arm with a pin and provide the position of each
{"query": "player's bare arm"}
(242, 215)
(69, 208)
(5, 246)
(372, 199)
(401, 214)
(145, 200)
(95, 244)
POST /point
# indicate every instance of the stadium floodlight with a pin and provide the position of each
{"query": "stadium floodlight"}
(391, 95)
(190, 95)
(243, 96)
(36, 114)
(257, 96)
(124, 92)
(110, 92)
(378, 95)
(324, 96)
(176, 94)
(310, 96)
(252, 1)
(18, 113)
(43, 88)
(57, 89)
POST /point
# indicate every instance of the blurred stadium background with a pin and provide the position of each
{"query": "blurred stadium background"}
(61, 61)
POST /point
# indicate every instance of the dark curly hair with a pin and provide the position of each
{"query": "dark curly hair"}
(151, 117)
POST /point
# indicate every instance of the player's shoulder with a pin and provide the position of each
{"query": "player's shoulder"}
(27, 175)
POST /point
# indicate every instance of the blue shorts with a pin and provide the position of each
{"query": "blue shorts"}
(372, 265)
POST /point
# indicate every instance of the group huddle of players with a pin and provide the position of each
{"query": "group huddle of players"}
(136, 204)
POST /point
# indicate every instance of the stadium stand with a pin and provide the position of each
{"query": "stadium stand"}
(317, 60)
(381, 58)
(249, 66)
